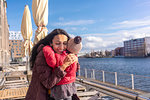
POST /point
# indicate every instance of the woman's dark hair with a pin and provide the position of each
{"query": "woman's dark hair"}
(46, 41)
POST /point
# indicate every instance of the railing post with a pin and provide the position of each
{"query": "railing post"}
(116, 83)
(103, 76)
(93, 73)
(79, 72)
(132, 77)
(85, 73)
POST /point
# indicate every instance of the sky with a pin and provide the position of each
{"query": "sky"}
(102, 24)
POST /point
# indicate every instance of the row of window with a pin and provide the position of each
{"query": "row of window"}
(16, 40)
(129, 51)
(17, 43)
(135, 41)
(135, 47)
(14, 35)
(18, 54)
(139, 43)
(15, 46)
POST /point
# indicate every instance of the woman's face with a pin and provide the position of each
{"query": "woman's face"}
(59, 43)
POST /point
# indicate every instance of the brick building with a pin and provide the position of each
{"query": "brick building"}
(15, 46)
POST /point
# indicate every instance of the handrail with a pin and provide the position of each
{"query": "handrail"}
(130, 81)
(111, 91)
(2, 83)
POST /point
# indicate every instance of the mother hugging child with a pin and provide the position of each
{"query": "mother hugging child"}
(54, 65)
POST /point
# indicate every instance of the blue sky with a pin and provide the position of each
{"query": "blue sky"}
(102, 24)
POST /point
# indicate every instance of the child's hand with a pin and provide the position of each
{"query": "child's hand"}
(70, 59)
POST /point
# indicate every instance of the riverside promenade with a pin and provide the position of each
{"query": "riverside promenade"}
(14, 85)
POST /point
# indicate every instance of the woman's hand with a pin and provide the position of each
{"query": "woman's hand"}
(70, 59)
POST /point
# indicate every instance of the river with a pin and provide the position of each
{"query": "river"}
(136, 66)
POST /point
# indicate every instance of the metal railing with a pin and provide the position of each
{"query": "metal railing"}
(119, 79)
(121, 95)
(2, 81)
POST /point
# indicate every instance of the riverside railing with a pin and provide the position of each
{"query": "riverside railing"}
(119, 79)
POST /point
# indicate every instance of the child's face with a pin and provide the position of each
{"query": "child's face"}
(59, 43)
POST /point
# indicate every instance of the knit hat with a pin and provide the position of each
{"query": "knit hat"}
(75, 45)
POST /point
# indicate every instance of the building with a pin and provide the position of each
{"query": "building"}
(119, 51)
(112, 53)
(15, 49)
(137, 47)
(15, 46)
(15, 35)
(147, 46)
(4, 34)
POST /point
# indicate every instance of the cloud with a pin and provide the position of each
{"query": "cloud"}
(110, 41)
(146, 3)
(94, 42)
(93, 39)
(74, 23)
(97, 43)
(132, 23)
(60, 18)
(72, 35)
(75, 29)
(84, 29)
(71, 29)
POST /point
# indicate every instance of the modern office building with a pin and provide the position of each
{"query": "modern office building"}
(137, 47)
(16, 46)
(4, 35)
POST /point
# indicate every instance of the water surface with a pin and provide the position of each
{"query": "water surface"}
(137, 66)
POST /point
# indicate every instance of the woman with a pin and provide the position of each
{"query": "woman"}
(43, 76)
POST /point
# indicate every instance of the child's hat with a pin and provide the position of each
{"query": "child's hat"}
(75, 45)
